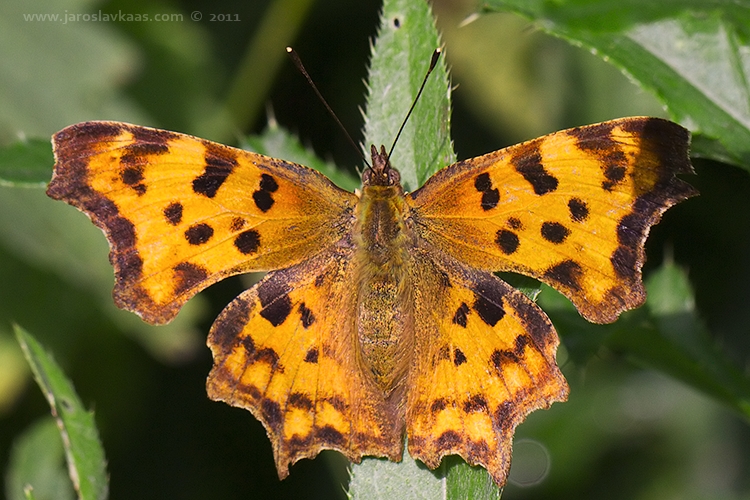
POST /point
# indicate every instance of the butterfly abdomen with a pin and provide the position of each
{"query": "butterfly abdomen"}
(385, 315)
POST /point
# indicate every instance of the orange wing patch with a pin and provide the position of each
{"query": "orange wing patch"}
(572, 209)
(181, 213)
(485, 359)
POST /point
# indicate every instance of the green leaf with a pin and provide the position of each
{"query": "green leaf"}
(26, 163)
(83, 450)
(401, 55)
(692, 55)
(381, 479)
(37, 463)
(466, 481)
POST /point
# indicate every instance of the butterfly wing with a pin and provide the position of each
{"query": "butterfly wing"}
(572, 209)
(285, 350)
(485, 358)
(181, 213)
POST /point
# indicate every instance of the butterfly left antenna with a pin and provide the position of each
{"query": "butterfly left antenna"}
(298, 62)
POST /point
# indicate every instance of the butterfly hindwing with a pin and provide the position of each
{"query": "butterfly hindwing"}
(485, 359)
(181, 213)
(285, 351)
(572, 209)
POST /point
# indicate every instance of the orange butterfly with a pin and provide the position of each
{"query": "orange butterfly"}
(380, 315)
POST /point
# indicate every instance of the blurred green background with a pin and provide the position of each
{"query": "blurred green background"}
(627, 431)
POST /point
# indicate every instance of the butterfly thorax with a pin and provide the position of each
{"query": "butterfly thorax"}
(383, 237)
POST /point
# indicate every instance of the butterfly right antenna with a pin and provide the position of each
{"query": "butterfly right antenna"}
(433, 63)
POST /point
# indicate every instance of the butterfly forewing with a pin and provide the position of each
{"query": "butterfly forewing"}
(181, 213)
(572, 209)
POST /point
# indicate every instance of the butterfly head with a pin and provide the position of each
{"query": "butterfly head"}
(381, 173)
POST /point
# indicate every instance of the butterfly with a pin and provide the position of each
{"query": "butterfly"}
(380, 316)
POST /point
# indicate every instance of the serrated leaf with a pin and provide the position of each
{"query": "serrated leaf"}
(83, 450)
(400, 57)
(380, 479)
(694, 56)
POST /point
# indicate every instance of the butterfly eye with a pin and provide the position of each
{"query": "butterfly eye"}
(393, 176)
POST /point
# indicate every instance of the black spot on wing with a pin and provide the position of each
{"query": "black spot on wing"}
(482, 182)
(490, 199)
(173, 213)
(490, 195)
(475, 403)
(306, 315)
(263, 195)
(263, 200)
(554, 232)
(330, 436)
(312, 355)
(527, 161)
(488, 301)
(579, 210)
(275, 302)
(507, 241)
(132, 175)
(300, 400)
(187, 276)
(220, 162)
(459, 357)
(567, 273)
(209, 182)
(489, 311)
(237, 224)
(438, 405)
(247, 242)
(461, 315)
(448, 440)
(270, 357)
(501, 357)
(613, 174)
(515, 223)
(268, 183)
(199, 234)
